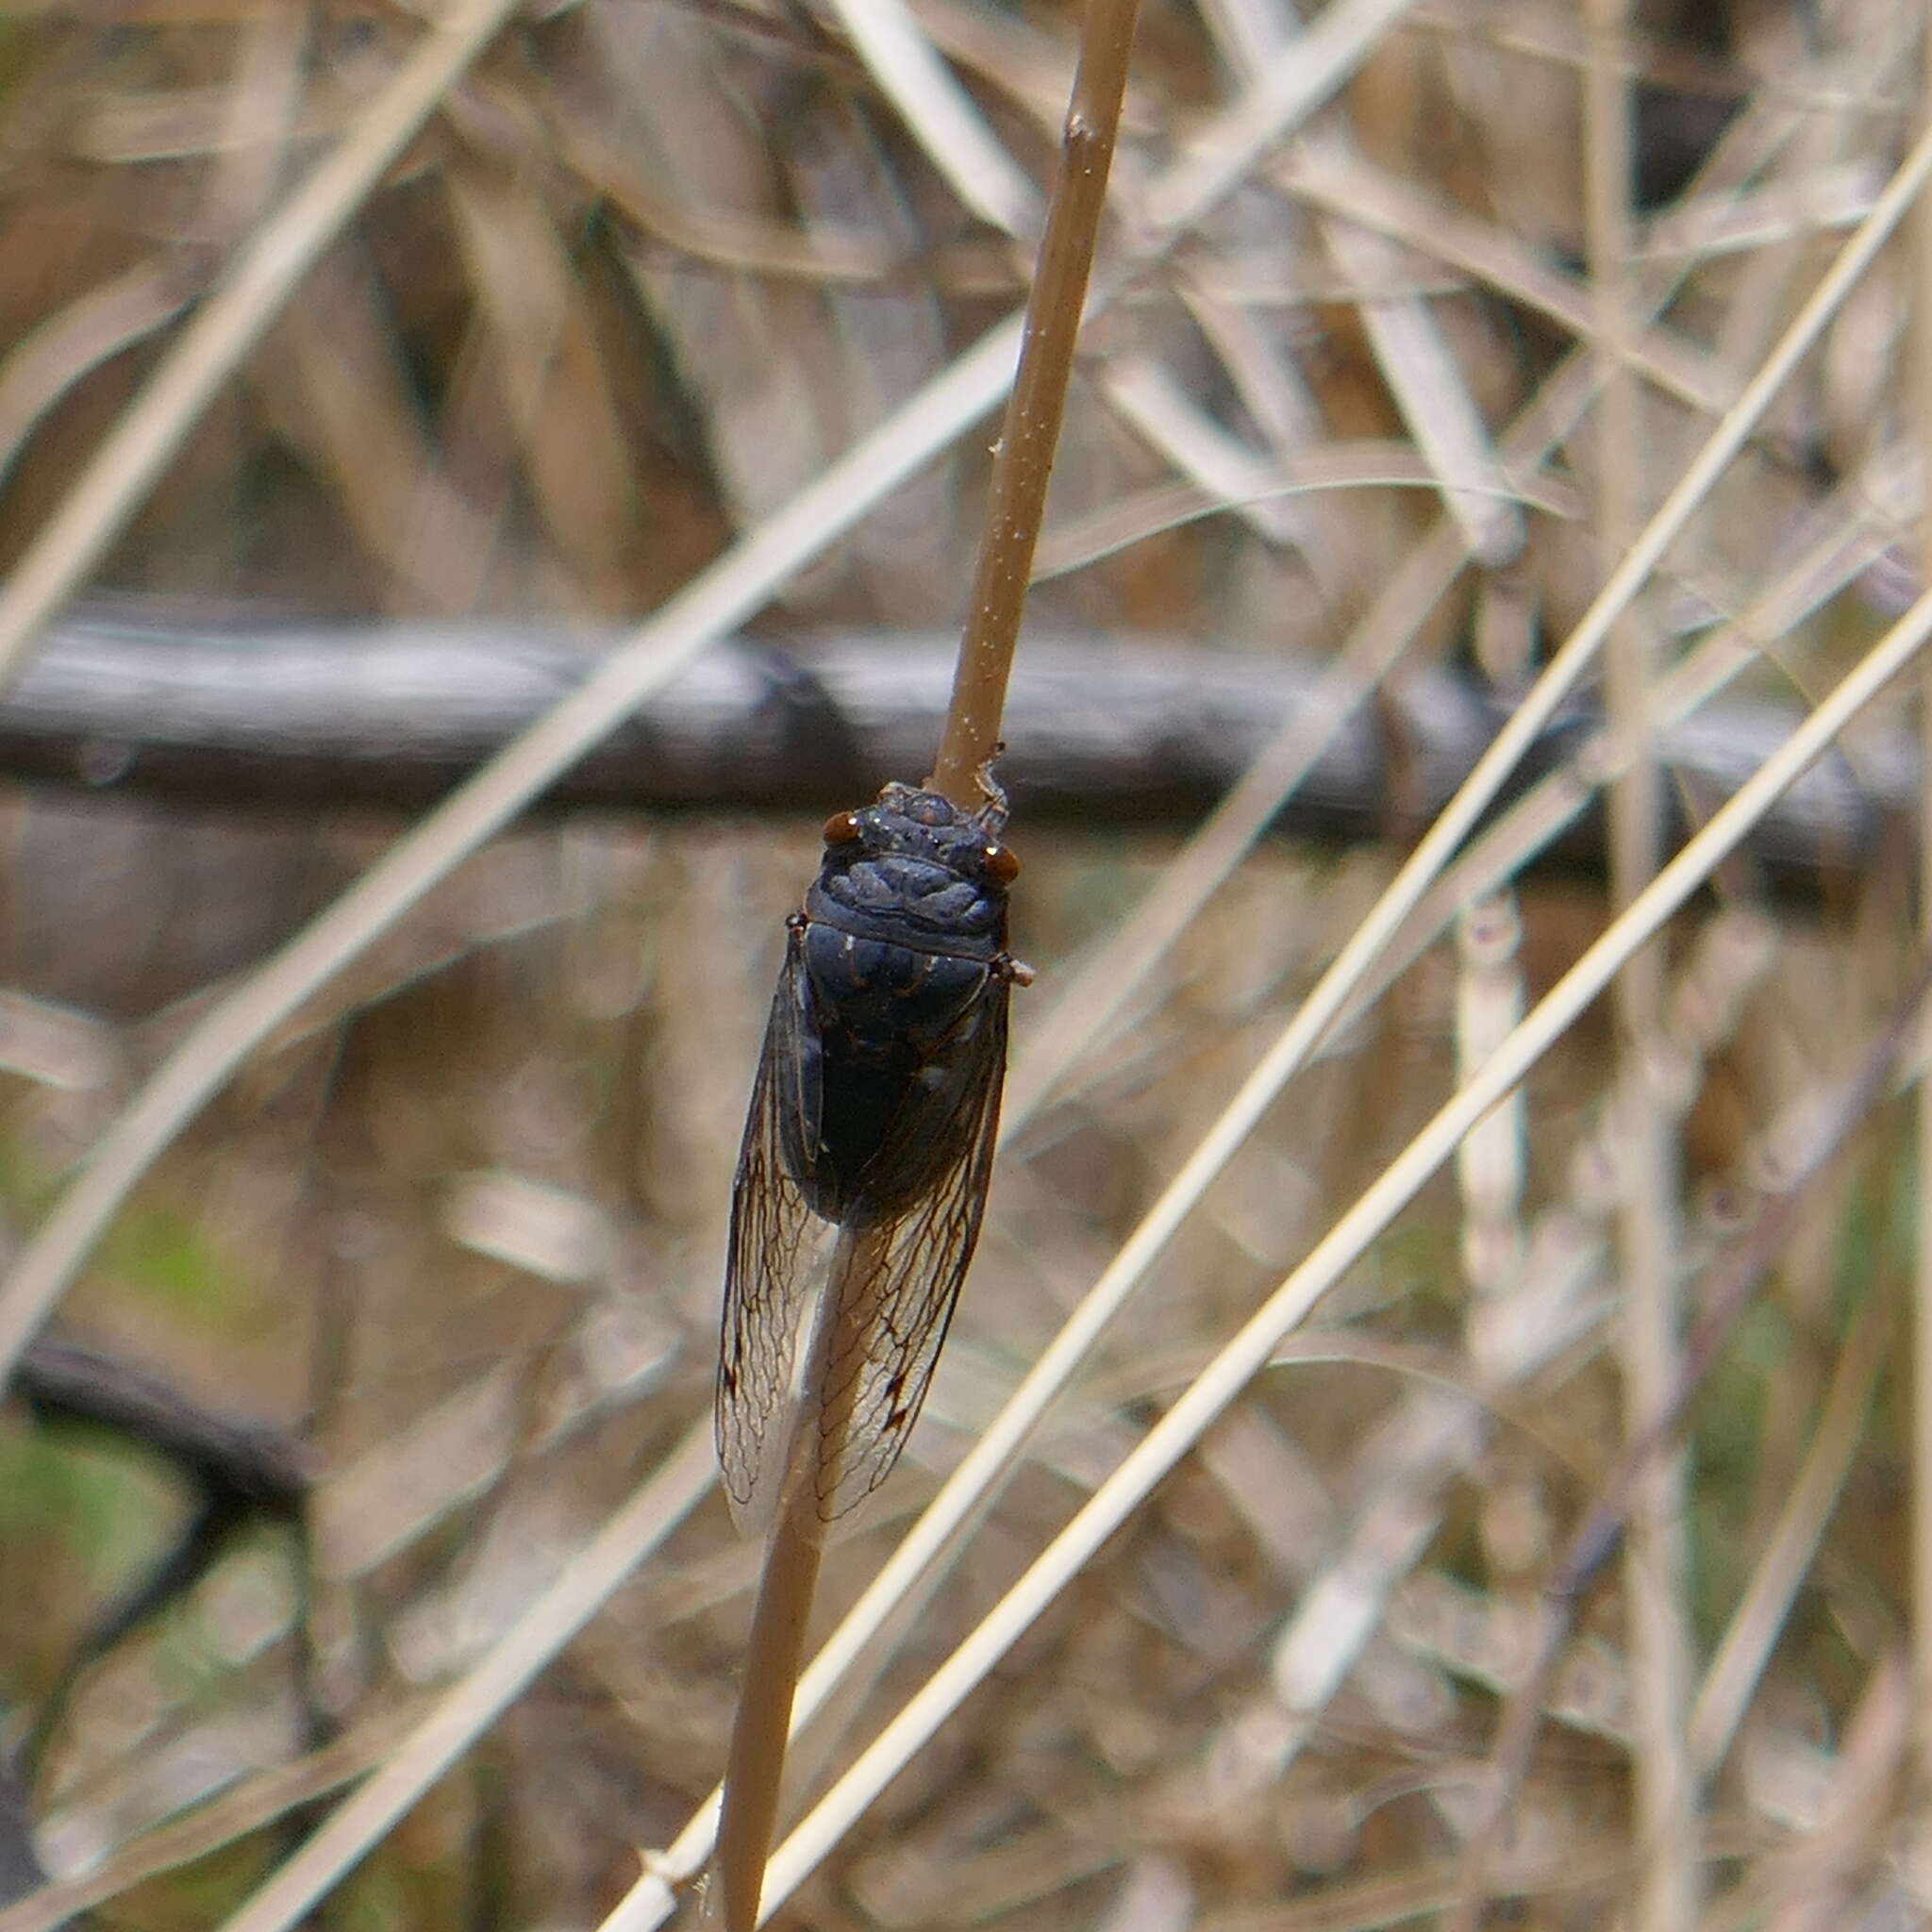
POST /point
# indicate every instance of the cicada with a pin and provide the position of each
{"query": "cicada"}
(873, 1111)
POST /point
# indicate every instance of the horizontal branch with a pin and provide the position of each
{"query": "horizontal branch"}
(249, 1464)
(1103, 732)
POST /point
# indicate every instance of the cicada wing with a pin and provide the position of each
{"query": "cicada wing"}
(771, 1253)
(896, 1309)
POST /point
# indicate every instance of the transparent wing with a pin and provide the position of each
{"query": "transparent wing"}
(768, 1263)
(896, 1310)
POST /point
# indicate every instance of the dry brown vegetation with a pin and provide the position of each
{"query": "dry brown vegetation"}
(1388, 366)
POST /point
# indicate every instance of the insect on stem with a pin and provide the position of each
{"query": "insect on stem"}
(874, 1111)
(876, 1102)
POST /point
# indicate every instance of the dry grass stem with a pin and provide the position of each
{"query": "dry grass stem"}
(754, 1771)
(246, 1809)
(1029, 434)
(1648, 1155)
(942, 115)
(40, 368)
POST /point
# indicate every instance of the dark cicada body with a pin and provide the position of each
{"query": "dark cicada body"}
(875, 1106)
(902, 969)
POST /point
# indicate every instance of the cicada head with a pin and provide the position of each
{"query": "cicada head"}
(915, 869)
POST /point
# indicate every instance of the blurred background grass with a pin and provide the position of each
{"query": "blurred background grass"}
(459, 1233)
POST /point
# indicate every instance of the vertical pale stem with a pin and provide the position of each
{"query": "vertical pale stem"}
(1665, 1806)
(755, 1767)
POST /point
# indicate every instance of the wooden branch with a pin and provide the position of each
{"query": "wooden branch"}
(20, 1866)
(237, 1468)
(250, 1465)
(301, 716)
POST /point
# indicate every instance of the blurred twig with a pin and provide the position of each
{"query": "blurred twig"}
(239, 1472)
(252, 1464)
(292, 717)
(20, 1867)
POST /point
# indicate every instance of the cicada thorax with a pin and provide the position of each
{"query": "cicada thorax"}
(902, 958)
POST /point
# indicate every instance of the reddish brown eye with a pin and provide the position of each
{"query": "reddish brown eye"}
(842, 828)
(1002, 863)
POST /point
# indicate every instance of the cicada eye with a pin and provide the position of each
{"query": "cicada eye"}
(1002, 863)
(842, 827)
